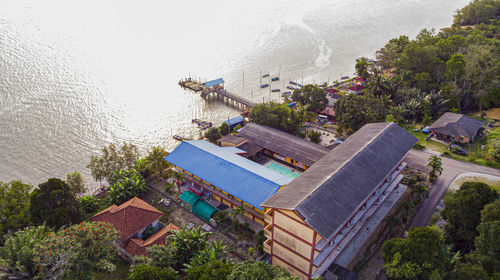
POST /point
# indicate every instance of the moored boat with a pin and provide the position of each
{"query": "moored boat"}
(264, 85)
(275, 90)
(177, 137)
(275, 79)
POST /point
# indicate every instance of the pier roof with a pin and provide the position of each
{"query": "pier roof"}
(224, 168)
(214, 82)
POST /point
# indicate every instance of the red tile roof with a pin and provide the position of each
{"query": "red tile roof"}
(129, 218)
(328, 111)
(356, 88)
(331, 90)
(136, 246)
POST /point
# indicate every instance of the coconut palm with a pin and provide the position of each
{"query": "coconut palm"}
(178, 179)
(155, 160)
(304, 113)
(435, 164)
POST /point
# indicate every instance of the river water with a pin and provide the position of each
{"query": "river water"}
(75, 76)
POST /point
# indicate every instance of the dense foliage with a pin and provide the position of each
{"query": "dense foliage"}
(112, 160)
(14, 205)
(212, 134)
(312, 96)
(276, 115)
(462, 213)
(54, 204)
(149, 272)
(353, 111)
(249, 270)
(212, 270)
(125, 185)
(76, 183)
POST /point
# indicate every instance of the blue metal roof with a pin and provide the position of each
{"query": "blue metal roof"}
(214, 82)
(234, 120)
(230, 172)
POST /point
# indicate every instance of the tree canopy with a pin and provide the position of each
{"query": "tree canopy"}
(54, 203)
(311, 95)
(113, 159)
(249, 270)
(277, 116)
(14, 205)
(76, 183)
(462, 213)
(353, 111)
(212, 134)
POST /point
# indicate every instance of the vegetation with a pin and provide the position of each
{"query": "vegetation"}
(277, 116)
(212, 134)
(112, 160)
(224, 129)
(314, 136)
(249, 270)
(155, 160)
(14, 205)
(435, 164)
(125, 185)
(311, 96)
(76, 183)
(148, 272)
(418, 256)
(353, 111)
(462, 213)
(54, 204)
(212, 270)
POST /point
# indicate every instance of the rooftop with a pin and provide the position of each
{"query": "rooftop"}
(129, 218)
(137, 246)
(232, 139)
(224, 168)
(214, 82)
(456, 124)
(341, 180)
(283, 143)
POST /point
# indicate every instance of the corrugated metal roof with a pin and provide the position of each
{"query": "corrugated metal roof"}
(214, 82)
(328, 193)
(234, 120)
(225, 169)
(456, 125)
(204, 210)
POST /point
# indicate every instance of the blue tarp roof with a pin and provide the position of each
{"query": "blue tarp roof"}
(214, 82)
(230, 172)
(234, 120)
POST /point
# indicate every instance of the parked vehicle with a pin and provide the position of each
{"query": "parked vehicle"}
(456, 149)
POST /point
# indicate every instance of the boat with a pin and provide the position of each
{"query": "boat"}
(264, 85)
(177, 137)
(286, 93)
(290, 87)
(275, 90)
(265, 75)
(275, 79)
(300, 85)
(293, 83)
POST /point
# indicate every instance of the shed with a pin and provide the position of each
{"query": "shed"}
(214, 82)
(198, 206)
(233, 122)
(189, 197)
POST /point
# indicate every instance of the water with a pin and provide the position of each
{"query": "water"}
(77, 76)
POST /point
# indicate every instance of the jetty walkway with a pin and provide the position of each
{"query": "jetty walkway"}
(216, 87)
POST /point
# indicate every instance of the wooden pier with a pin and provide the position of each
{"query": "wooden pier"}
(216, 87)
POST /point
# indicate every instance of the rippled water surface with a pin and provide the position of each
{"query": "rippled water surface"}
(77, 76)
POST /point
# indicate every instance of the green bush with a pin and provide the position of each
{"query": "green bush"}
(418, 147)
(148, 272)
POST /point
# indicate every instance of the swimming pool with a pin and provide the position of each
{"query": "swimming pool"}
(283, 170)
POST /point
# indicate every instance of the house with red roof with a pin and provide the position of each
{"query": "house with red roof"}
(131, 219)
(357, 89)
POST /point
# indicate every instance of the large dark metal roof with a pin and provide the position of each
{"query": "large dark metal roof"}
(283, 143)
(456, 125)
(327, 194)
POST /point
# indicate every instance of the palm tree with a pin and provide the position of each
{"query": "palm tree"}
(156, 159)
(238, 211)
(435, 164)
(394, 222)
(379, 86)
(304, 113)
(178, 179)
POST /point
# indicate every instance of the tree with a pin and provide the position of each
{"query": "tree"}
(311, 95)
(148, 272)
(314, 136)
(224, 129)
(304, 113)
(467, 271)
(89, 204)
(353, 111)
(462, 214)
(392, 51)
(14, 205)
(488, 246)
(112, 160)
(53, 203)
(212, 134)
(76, 183)
(435, 164)
(212, 270)
(155, 160)
(379, 86)
(18, 253)
(491, 212)
(179, 179)
(249, 270)
(361, 67)
(125, 185)
(77, 252)
(277, 116)
(415, 257)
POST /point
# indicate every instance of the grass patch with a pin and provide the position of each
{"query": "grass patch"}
(423, 142)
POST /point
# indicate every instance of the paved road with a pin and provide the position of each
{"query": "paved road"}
(451, 169)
